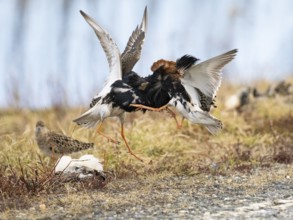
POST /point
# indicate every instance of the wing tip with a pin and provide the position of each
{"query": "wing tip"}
(83, 14)
(144, 22)
(233, 52)
(96, 27)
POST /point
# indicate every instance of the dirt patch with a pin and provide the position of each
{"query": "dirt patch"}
(261, 193)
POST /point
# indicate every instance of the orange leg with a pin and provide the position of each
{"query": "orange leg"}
(181, 122)
(139, 106)
(125, 141)
(53, 153)
(109, 139)
(173, 115)
(164, 107)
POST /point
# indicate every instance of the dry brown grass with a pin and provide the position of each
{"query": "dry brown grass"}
(258, 137)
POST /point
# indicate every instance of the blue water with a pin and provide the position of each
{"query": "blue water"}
(50, 56)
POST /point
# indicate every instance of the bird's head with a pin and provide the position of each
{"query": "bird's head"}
(40, 128)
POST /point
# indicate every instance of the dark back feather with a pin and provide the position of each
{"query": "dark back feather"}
(185, 62)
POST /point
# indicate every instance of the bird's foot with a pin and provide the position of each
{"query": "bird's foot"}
(179, 126)
(108, 138)
(173, 115)
(141, 160)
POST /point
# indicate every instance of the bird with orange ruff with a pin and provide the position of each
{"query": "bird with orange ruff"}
(184, 84)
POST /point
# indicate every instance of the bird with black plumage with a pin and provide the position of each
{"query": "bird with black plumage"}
(189, 86)
(107, 102)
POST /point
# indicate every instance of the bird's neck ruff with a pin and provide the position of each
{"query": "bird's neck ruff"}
(174, 68)
(166, 67)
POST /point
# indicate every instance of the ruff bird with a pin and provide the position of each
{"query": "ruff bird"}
(106, 103)
(51, 143)
(282, 88)
(189, 87)
(241, 98)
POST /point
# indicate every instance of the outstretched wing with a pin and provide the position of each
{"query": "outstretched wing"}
(207, 76)
(132, 52)
(110, 48)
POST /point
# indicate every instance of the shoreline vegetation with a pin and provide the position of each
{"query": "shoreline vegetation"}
(253, 141)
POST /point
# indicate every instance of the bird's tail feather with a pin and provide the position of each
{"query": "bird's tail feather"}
(211, 123)
(86, 120)
(214, 129)
(196, 116)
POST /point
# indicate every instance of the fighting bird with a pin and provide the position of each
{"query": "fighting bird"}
(103, 104)
(52, 143)
(184, 84)
(191, 88)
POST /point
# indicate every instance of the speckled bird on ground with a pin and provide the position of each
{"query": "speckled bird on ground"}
(52, 143)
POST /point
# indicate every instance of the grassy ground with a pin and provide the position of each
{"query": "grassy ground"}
(259, 137)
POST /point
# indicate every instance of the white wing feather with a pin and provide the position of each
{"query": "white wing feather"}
(110, 48)
(207, 76)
